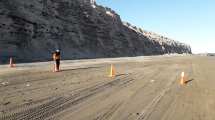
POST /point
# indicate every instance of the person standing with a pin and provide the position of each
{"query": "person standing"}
(56, 58)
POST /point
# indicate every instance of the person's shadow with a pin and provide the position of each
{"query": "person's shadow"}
(84, 68)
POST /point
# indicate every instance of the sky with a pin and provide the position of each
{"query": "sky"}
(188, 21)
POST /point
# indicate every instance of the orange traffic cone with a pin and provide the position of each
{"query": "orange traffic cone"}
(11, 63)
(182, 82)
(112, 71)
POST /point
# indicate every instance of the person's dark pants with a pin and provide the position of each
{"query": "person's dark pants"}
(58, 64)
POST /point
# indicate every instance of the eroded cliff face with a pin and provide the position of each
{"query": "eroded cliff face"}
(31, 30)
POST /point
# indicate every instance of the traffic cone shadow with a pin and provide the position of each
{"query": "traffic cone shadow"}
(189, 81)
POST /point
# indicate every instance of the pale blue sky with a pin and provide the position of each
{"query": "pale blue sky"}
(188, 21)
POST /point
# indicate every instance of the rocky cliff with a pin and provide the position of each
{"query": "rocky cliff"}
(31, 29)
